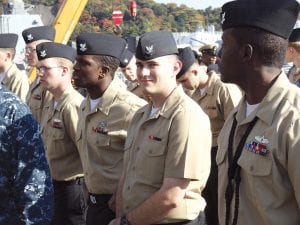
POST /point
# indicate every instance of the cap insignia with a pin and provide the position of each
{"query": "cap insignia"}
(29, 37)
(43, 53)
(83, 47)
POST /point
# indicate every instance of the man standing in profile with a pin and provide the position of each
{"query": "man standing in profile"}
(258, 155)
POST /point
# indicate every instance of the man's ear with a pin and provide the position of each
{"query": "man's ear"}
(177, 66)
(246, 52)
(104, 70)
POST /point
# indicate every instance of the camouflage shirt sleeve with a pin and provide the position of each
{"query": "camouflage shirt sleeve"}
(25, 185)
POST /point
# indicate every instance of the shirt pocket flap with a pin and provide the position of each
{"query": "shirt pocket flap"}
(155, 148)
(254, 164)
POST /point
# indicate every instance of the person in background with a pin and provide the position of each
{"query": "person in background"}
(26, 191)
(217, 100)
(258, 146)
(128, 68)
(10, 76)
(209, 57)
(59, 124)
(165, 170)
(37, 96)
(293, 55)
(104, 117)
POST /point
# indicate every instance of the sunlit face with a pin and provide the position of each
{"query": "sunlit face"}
(158, 76)
(30, 52)
(130, 70)
(50, 73)
(86, 71)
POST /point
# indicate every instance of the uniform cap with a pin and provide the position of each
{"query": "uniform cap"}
(187, 57)
(209, 49)
(156, 44)
(8, 40)
(125, 57)
(275, 16)
(295, 35)
(100, 44)
(38, 33)
(55, 50)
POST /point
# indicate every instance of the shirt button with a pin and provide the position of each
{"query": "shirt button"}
(133, 168)
(138, 148)
(251, 168)
(128, 188)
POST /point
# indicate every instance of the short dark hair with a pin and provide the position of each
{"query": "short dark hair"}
(269, 48)
(109, 61)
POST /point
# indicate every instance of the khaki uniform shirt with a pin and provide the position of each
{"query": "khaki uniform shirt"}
(36, 99)
(59, 135)
(136, 89)
(270, 168)
(16, 81)
(101, 137)
(217, 102)
(174, 143)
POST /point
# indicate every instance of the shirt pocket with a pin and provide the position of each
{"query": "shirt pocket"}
(152, 161)
(255, 165)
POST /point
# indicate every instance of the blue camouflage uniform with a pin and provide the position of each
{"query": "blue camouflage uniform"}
(26, 195)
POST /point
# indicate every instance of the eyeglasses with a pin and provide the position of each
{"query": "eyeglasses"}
(30, 50)
(43, 69)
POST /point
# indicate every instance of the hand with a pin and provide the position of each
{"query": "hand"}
(115, 221)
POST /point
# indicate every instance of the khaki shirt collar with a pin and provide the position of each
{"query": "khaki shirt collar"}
(107, 98)
(9, 73)
(65, 96)
(267, 108)
(168, 107)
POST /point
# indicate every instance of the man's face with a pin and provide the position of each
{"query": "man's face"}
(156, 75)
(289, 54)
(86, 71)
(50, 73)
(130, 70)
(229, 65)
(189, 80)
(209, 58)
(30, 53)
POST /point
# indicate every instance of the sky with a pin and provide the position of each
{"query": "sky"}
(197, 4)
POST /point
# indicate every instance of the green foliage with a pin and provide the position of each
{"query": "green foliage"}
(97, 17)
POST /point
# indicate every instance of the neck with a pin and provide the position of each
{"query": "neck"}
(98, 90)
(59, 91)
(259, 84)
(159, 99)
(296, 61)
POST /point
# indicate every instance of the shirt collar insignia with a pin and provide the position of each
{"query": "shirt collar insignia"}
(262, 139)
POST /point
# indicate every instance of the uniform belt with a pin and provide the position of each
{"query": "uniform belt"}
(99, 199)
(78, 180)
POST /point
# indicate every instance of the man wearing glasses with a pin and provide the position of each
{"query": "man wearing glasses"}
(59, 124)
(37, 95)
